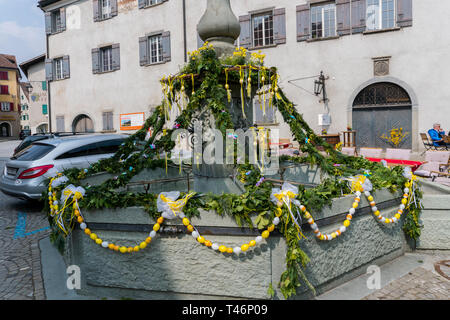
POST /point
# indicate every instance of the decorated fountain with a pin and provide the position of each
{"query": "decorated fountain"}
(250, 223)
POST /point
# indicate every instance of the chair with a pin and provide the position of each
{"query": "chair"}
(350, 151)
(370, 152)
(402, 154)
(426, 142)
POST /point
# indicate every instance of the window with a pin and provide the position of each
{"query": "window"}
(33, 152)
(152, 2)
(102, 147)
(60, 124)
(108, 123)
(5, 106)
(106, 8)
(380, 14)
(155, 49)
(262, 30)
(106, 59)
(56, 21)
(3, 75)
(323, 21)
(58, 66)
(4, 90)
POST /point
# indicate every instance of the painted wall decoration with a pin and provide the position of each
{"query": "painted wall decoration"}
(132, 121)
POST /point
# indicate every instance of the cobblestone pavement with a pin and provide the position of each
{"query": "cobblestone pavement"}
(20, 266)
(423, 283)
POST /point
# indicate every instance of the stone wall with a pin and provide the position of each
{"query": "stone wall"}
(174, 266)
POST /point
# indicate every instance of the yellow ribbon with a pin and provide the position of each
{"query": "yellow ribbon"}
(165, 152)
(357, 184)
(176, 206)
(286, 196)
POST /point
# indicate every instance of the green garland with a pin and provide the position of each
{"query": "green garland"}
(136, 154)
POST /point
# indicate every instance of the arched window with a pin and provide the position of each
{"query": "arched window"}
(82, 123)
(382, 116)
(383, 94)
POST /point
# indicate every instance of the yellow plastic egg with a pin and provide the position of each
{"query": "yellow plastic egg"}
(156, 227)
(265, 234)
(93, 236)
(244, 247)
(252, 243)
(123, 249)
(98, 241)
(186, 221)
(143, 245)
(222, 249)
(346, 223)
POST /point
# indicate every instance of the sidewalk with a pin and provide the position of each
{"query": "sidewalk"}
(7, 148)
(410, 277)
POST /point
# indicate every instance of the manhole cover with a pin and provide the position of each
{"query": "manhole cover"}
(445, 264)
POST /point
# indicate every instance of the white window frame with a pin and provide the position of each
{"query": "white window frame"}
(106, 59)
(323, 7)
(152, 2)
(379, 13)
(105, 8)
(155, 39)
(58, 69)
(5, 106)
(264, 30)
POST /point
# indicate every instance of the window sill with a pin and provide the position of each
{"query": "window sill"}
(381, 30)
(153, 5)
(56, 32)
(153, 64)
(109, 131)
(104, 72)
(262, 47)
(103, 19)
(322, 39)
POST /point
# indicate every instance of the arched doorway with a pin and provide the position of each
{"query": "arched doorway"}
(382, 116)
(42, 128)
(83, 123)
(5, 129)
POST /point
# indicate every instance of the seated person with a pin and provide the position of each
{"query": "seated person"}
(436, 135)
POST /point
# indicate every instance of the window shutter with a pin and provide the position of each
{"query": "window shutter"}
(165, 42)
(141, 4)
(60, 124)
(358, 16)
(48, 22)
(279, 26)
(62, 13)
(49, 69)
(96, 7)
(110, 121)
(115, 56)
(11, 106)
(143, 53)
(303, 22)
(105, 121)
(66, 67)
(44, 109)
(96, 60)
(44, 86)
(404, 13)
(245, 38)
(343, 17)
(114, 10)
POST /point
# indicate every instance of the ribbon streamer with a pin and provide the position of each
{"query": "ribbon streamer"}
(170, 207)
(287, 195)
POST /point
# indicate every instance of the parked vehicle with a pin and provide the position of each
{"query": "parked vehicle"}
(24, 133)
(24, 174)
(40, 136)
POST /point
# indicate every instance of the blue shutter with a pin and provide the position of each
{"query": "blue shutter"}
(143, 53)
(359, 12)
(96, 9)
(245, 38)
(115, 56)
(166, 50)
(279, 26)
(404, 13)
(114, 10)
(48, 22)
(62, 13)
(303, 22)
(66, 67)
(95, 60)
(49, 69)
(343, 17)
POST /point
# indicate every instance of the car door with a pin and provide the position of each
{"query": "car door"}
(74, 158)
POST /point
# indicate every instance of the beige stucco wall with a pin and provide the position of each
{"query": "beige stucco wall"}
(37, 97)
(419, 61)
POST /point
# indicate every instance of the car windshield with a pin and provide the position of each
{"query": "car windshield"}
(29, 140)
(33, 152)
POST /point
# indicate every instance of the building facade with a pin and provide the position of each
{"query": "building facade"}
(384, 62)
(35, 113)
(9, 96)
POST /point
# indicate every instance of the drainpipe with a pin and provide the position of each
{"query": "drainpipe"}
(184, 31)
(48, 89)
